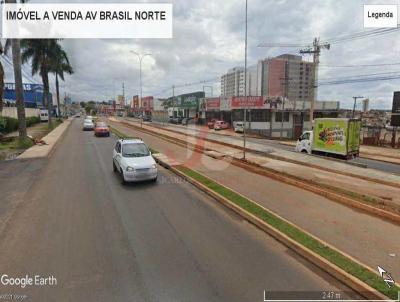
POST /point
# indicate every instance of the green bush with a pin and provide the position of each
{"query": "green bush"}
(10, 124)
(30, 121)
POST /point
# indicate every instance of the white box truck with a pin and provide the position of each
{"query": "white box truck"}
(338, 137)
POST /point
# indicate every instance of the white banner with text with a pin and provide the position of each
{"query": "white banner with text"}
(86, 20)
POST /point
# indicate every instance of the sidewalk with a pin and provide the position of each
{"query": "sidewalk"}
(383, 193)
(369, 239)
(51, 140)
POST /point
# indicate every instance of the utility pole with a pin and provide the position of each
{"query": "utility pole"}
(315, 50)
(245, 88)
(173, 102)
(355, 103)
(285, 83)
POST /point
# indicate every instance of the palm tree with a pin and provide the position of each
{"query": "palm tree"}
(59, 65)
(41, 52)
(3, 51)
(19, 90)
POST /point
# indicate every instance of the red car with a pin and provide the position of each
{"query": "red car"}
(219, 125)
(101, 129)
(211, 123)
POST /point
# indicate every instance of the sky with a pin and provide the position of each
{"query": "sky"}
(208, 39)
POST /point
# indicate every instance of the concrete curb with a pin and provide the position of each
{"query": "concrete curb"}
(52, 139)
(289, 179)
(277, 157)
(330, 268)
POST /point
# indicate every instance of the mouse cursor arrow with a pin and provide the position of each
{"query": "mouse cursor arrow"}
(387, 277)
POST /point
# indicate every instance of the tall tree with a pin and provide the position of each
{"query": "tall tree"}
(19, 90)
(59, 65)
(3, 51)
(40, 53)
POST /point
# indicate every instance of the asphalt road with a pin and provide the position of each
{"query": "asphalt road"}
(263, 143)
(71, 218)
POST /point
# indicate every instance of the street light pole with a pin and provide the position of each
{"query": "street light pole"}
(245, 88)
(140, 81)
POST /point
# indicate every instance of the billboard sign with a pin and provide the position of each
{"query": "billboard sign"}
(250, 102)
(225, 103)
(212, 104)
(33, 94)
(189, 102)
(395, 120)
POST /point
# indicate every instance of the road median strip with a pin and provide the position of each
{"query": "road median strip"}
(343, 267)
(373, 206)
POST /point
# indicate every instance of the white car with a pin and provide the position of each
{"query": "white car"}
(88, 125)
(239, 127)
(133, 160)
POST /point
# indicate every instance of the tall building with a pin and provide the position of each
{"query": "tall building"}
(285, 75)
(232, 83)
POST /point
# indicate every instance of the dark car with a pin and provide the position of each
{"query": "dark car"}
(178, 120)
(147, 118)
(188, 120)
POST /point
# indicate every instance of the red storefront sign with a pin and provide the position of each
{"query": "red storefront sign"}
(212, 104)
(242, 102)
(135, 102)
(147, 103)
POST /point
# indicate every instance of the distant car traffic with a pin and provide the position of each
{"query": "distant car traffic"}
(175, 120)
(219, 125)
(146, 118)
(239, 127)
(101, 129)
(133, 160)
(187, 121)
(88, 124)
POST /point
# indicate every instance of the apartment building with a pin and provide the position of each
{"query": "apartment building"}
(232, 83)
(285, 75)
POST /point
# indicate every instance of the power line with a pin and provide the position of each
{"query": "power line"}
(362, 35)
(188, 85)
(361, 65)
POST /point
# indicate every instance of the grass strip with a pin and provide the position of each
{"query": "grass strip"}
(297, 235)
(119, 134)
(17, 143)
